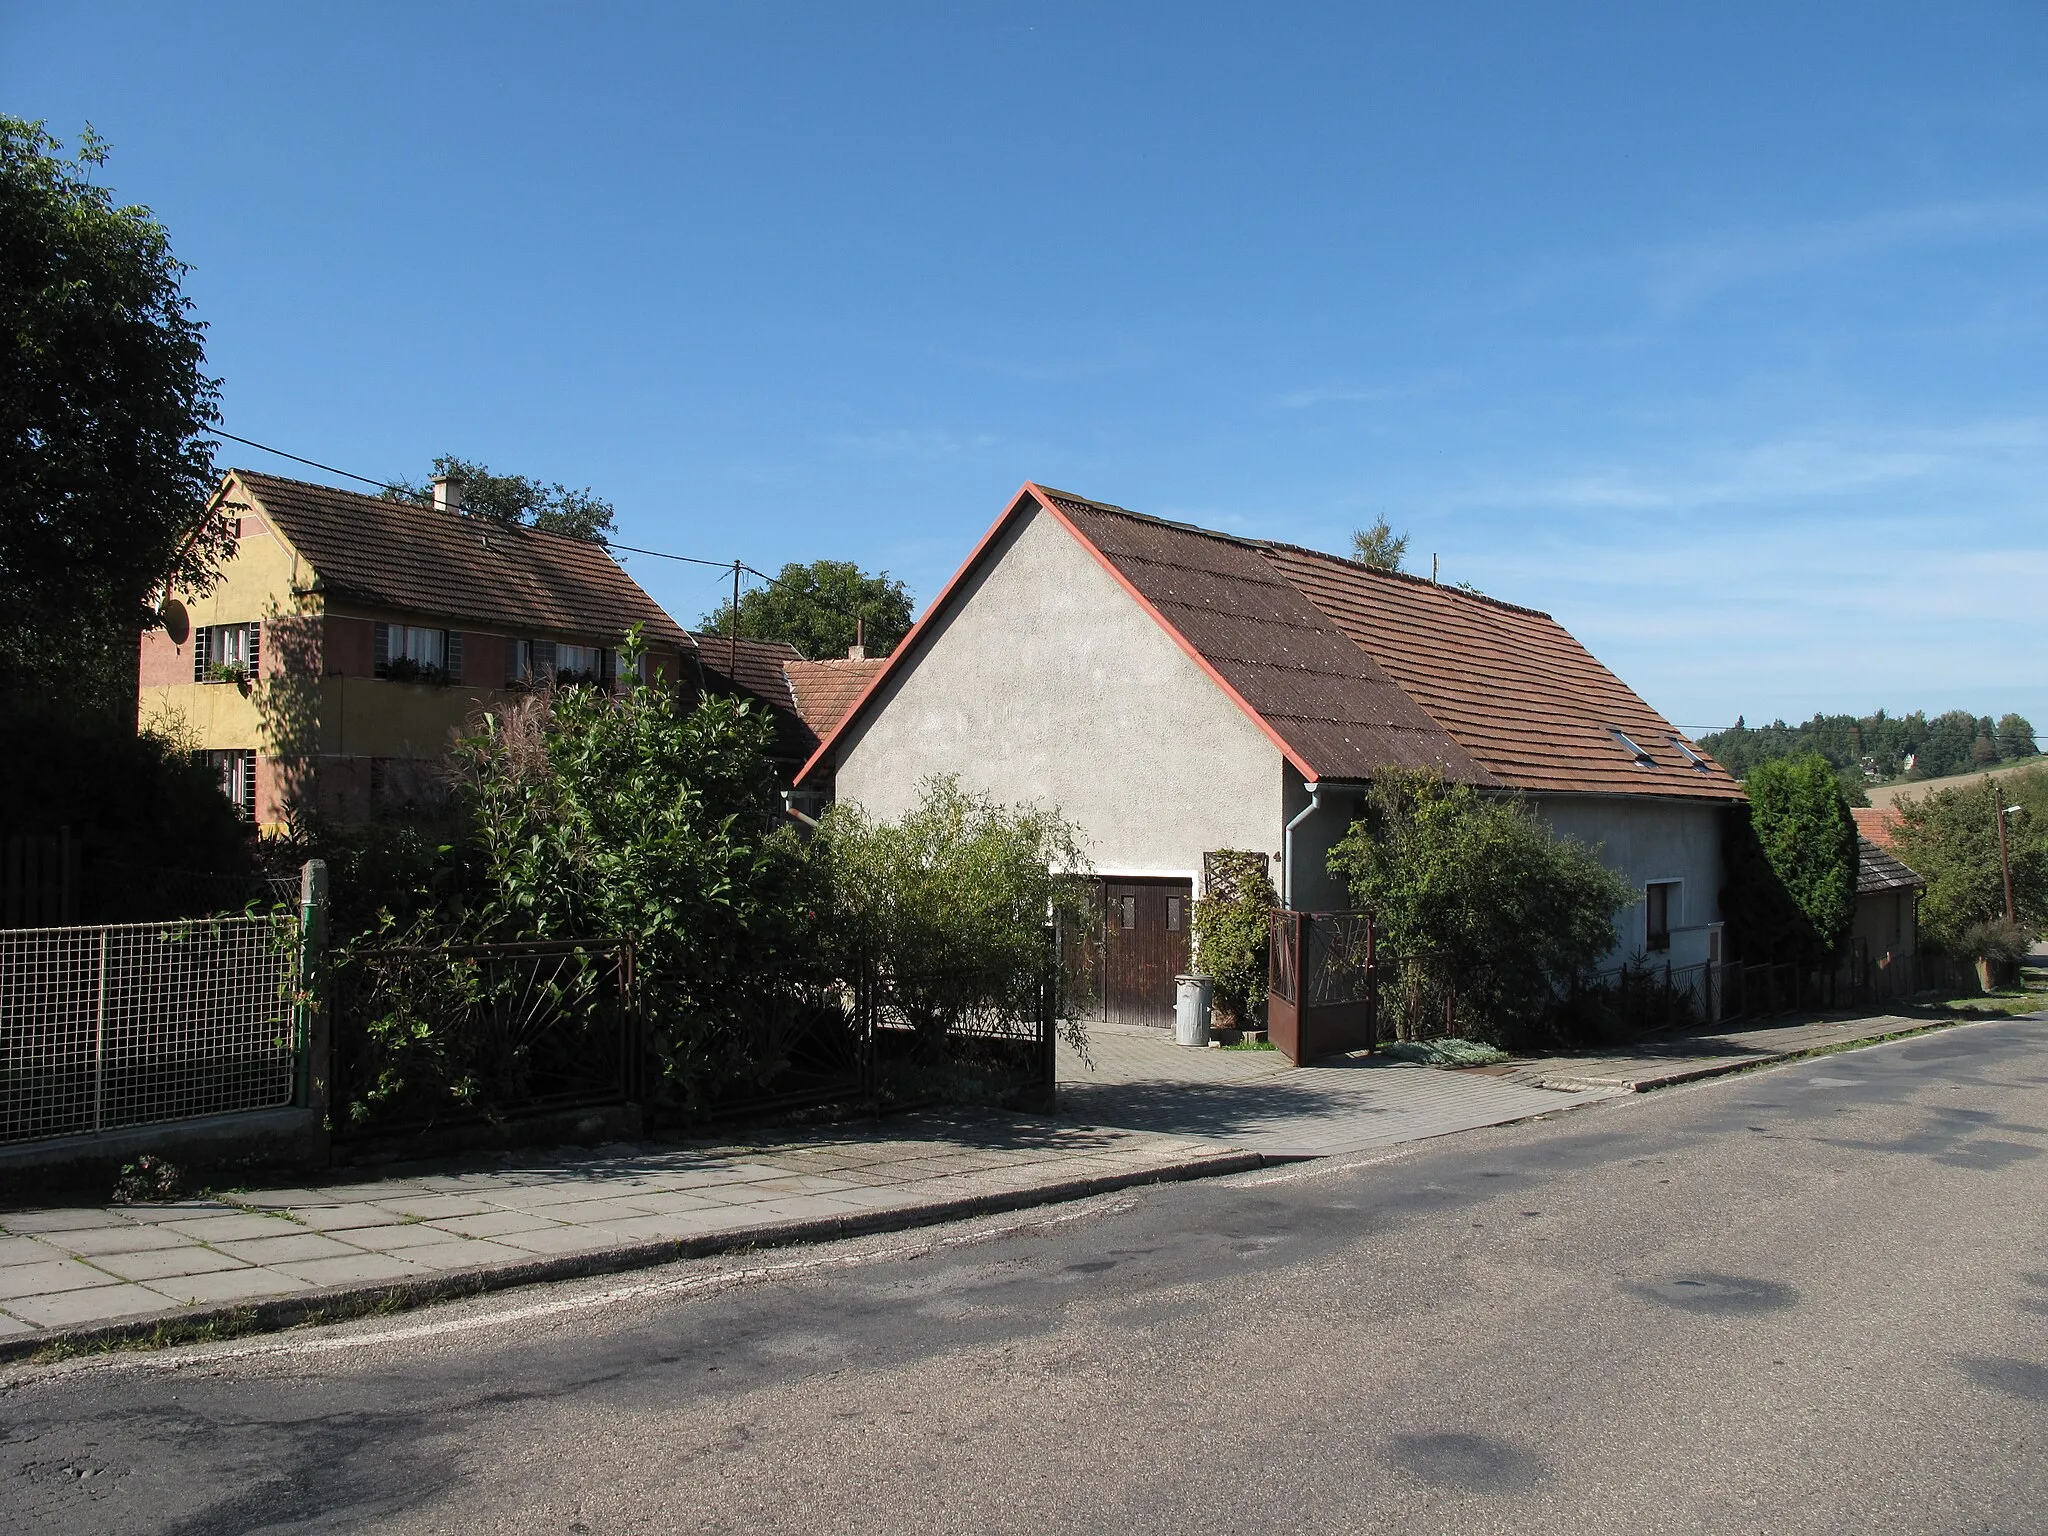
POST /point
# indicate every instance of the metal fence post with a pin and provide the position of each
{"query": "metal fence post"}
(310, 1026)
(99, 1041)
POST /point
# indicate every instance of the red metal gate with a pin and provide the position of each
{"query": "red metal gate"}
(1322, 993)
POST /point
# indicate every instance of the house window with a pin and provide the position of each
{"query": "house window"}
(225, 653)
(411, 653)
(1692, 758)
(582, 663)
(1660, 905)
(1127, 912)
(1173, 913)
(1623, 741)
(237, 772)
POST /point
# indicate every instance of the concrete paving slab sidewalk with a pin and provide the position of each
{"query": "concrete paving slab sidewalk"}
(1701, 1053)
(75, 1273)
(1139, 1079)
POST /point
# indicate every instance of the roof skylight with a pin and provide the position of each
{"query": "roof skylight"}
(1628, 746)
(1692, 758)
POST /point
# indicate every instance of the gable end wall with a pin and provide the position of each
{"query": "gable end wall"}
(1046, 681)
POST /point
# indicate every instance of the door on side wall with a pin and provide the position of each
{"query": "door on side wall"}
(1144, 946)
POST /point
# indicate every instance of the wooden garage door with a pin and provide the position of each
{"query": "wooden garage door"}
(1144, 946)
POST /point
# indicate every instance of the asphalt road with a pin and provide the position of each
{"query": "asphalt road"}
(1808, 1299)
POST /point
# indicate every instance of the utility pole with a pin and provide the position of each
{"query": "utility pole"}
(2004, 860)
(732, 664)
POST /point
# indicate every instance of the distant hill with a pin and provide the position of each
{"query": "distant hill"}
(1875, 749)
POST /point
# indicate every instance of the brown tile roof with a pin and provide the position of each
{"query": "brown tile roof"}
(1354, 671)
(413, 559)
(1511, 684)
(825, 690)
(1336, 713)
(1877, 823)
(755, 668)
(1878, 870)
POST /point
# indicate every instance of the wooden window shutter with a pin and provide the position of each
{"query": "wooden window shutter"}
(451, 652)
(380, 650)
(199, 654)
(255, 639)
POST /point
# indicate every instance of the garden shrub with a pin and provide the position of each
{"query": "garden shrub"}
(1483, 885)
(951, 902)
(1233, 924)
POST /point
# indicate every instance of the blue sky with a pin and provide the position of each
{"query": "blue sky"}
(1715, 330)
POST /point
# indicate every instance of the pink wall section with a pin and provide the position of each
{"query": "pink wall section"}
(163, 660)
(350, 646)
(483, 660)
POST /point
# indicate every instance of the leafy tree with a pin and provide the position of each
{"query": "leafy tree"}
(518, 502)
(1233, 927)
(640, 815)
(105, 472)
(1877, 746)
(1510, 907)
(1950, 838)
(2015, 737)
(814, 608)
(950, 902)
(149, 821)
(1808, 838)
(1379, 546)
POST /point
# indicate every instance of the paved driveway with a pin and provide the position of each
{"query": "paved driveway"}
(1139, 1079)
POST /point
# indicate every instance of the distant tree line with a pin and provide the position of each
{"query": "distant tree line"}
(1875, 748)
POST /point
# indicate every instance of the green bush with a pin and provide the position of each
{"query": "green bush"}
(951, 901)
(1950, 838)
(1233, 924)
(1789, 860)
(1487, 888)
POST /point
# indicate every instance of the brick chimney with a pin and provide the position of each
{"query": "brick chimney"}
(447, 493)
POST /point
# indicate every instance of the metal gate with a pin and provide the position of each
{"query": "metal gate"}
(142, 1023)
(1322, 996)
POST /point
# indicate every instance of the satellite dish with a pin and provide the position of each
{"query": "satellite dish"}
(176, 622)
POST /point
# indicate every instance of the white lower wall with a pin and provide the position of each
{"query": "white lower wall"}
(1646, 840)
(1045, 681)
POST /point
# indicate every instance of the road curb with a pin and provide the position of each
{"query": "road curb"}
(1752, 1063)
(339, 1303)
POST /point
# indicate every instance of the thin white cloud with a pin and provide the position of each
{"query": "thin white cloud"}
(1682, 275)
(919, 443)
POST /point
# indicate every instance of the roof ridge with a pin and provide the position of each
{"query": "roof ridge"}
(1408, 576)
(464, 519)
(1250, 542)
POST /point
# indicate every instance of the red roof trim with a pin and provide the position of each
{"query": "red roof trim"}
(1031, 491)
(909, 641)
(1045, 500)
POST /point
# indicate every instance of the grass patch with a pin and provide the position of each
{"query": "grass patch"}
(1249, 1044)
(1451, 1052)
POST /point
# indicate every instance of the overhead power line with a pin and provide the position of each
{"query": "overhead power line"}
(419, 496)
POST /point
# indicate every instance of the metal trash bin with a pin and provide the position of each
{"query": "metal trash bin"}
(1191, 995)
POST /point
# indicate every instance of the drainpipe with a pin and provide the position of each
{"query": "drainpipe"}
(1315, 803)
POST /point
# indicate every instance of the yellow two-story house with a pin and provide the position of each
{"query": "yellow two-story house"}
(350, 638)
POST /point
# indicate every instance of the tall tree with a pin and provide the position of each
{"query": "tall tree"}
(2015, 737)
(1802, 823)
(1379, 546)
(818, 608)
(518, 502)
(1950, 838)
(105, 470)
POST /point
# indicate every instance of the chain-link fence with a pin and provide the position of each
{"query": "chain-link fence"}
(141, 1023)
